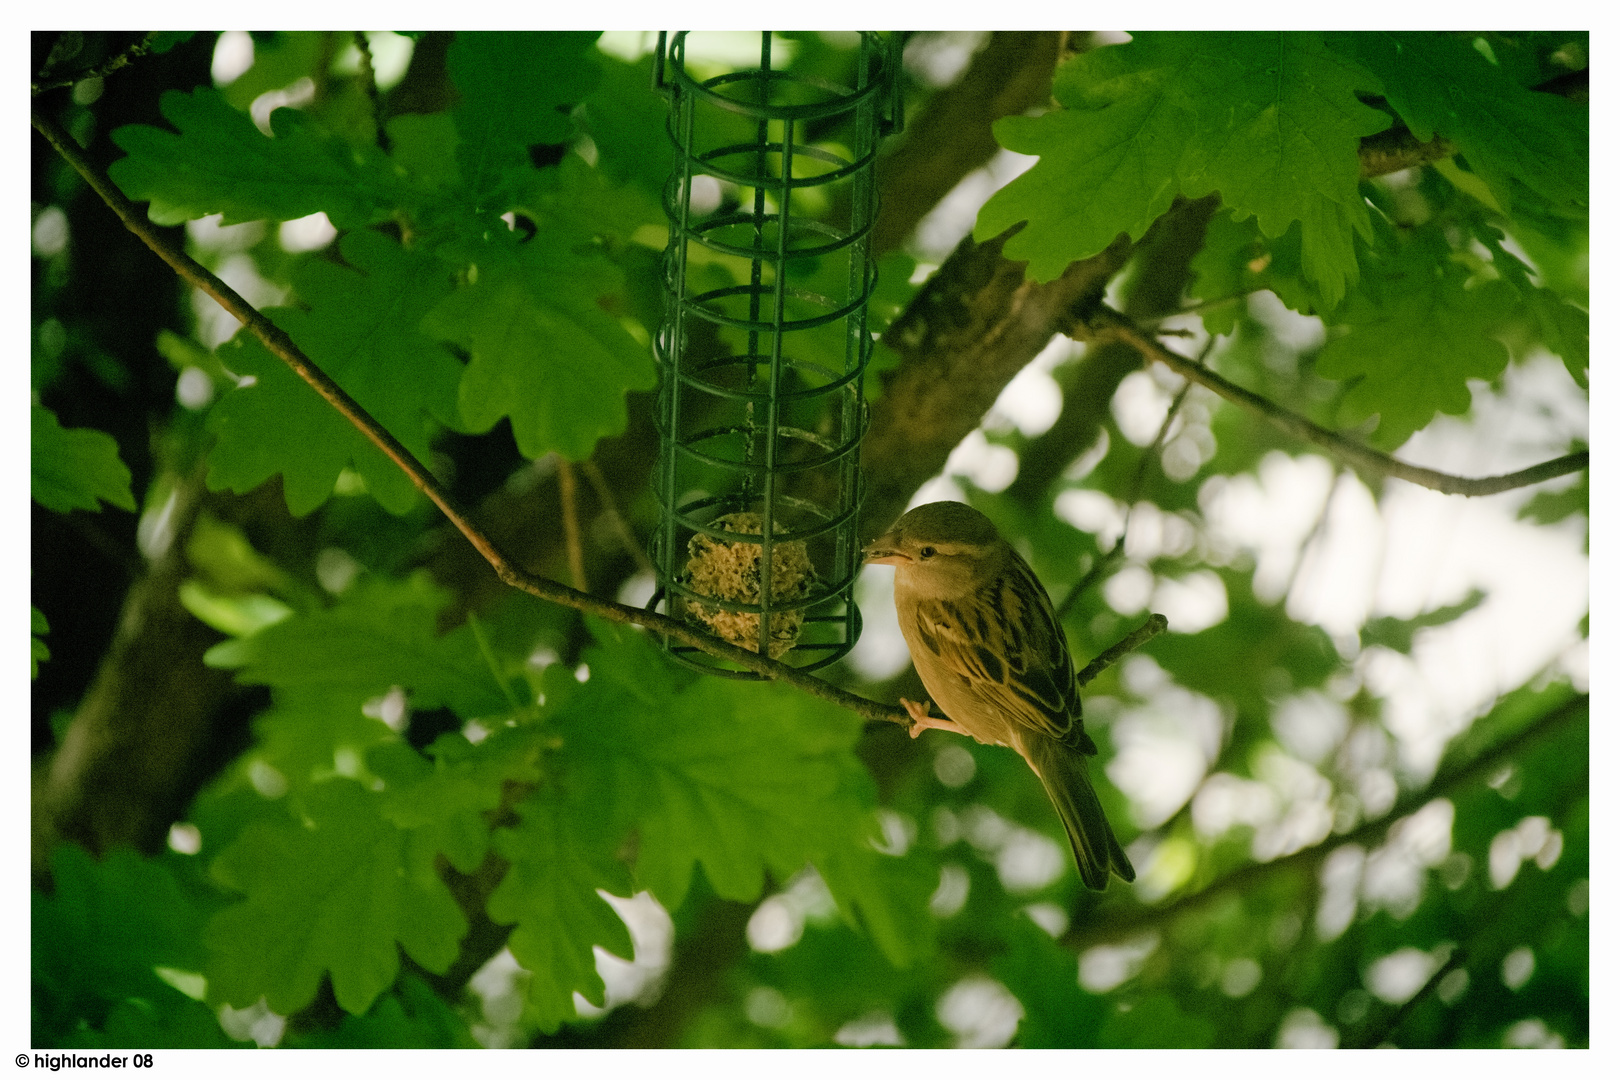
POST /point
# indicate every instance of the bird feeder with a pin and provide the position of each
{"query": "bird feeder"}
(763, 347)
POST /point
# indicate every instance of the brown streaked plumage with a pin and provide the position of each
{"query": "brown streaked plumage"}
(989, 650)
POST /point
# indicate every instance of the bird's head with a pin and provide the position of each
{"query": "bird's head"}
(942, 549)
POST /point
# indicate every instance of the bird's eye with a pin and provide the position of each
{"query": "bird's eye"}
(927, 552)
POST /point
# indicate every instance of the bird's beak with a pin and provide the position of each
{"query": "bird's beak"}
(883, 552)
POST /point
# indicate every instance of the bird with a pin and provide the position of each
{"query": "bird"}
(990, 652)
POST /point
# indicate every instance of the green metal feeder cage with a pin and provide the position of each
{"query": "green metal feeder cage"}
(763, 348)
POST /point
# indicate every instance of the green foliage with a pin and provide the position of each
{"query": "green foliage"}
(1563, 327)
(880, 893)
(1157, 1022)
(111, 946)
(560, 856)
(1510, 716)
(1057, 1012)
(280, 59)
(740, 779)
(115, 921)
(531, 316)
(516, 90)
(1440, 84)
(737, 778)
(627, 124)
(1417, 335)
(217, 162)
(425, 145)
(75, 468)
(1271, 121)
(380, 635)
(330, 890)
(164, 40)
(445, 801)
(1547, 507)
(1254, 648)
(421, 780)
(411, 1016)
(1429, 315)
(542, 349)
(361, 328)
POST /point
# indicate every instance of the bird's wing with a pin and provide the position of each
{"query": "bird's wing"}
(1005, 640)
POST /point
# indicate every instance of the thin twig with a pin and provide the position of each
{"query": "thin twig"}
(368, 79)
(135, 51)
(1108, 324)
(1156, 625)
(1381, 1034)
(570, 523)
(1104, 563)
(610, 507)
(1118, 548)
(282, 346)
(1200, 308)
(1317, 529)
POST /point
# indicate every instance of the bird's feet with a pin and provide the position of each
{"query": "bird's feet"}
(921, 721)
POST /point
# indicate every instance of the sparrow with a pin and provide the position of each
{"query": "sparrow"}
(987, 645)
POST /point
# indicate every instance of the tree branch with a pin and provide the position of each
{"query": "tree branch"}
(126, 766)
(134, 52)
(1397, 148)
(1109, 325)
(1084, 935)
(1117, 551)
(975, 325)
(1163, 262)
(1156, 625)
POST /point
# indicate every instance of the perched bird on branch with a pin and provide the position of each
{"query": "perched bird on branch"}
(991, 654)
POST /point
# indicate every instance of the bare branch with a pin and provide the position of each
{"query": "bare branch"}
(1109, 325)
(1156, 625)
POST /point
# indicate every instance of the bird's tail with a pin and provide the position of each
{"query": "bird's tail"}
(1063, 774)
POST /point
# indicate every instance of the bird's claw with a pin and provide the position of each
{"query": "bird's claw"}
(918, 711)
